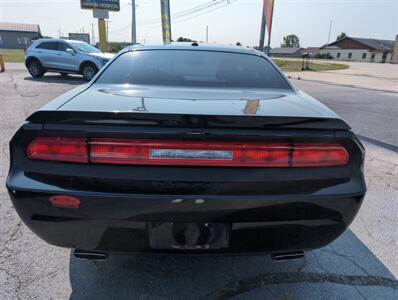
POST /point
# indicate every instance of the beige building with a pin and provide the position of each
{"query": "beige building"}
(360, 49)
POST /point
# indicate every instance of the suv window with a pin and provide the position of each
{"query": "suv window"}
(193, 68)
(47, 46)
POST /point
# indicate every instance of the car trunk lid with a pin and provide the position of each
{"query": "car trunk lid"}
(193, 107)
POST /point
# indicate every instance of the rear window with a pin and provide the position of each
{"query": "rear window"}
(193, 68)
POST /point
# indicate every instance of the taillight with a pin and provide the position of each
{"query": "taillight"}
(143, 152)
(184, 153)
(58, 149)
(319, 155)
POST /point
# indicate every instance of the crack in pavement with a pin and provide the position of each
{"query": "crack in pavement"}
(251, 283)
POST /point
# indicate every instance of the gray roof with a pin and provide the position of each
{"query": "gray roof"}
(286, 50)
(376, 44)
(372, 44)
(19, 27)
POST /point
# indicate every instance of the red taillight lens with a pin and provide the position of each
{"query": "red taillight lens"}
(144, 152)
(184, 153)
(58, 149)
(319, 155)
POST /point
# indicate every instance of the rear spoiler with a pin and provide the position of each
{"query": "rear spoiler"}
(192, 121)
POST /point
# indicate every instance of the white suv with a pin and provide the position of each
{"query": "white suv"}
(64, 57)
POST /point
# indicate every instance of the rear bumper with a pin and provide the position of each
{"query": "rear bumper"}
(118, 223)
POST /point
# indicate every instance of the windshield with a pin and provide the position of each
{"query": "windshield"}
(85, 48)
(193, 68)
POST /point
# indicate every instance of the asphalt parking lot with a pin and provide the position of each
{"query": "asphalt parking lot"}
(361, 264)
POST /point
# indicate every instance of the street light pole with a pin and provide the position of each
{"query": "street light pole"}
(133, 24)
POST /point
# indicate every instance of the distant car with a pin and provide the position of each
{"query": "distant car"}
(187, 149)
(64, 57)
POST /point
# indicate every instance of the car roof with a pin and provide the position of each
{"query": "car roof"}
(195, 46)
(58, 40)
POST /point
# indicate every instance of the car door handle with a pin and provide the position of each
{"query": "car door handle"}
(58, 54)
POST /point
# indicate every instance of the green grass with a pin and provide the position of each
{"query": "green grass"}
(289, 65)
(12, 55)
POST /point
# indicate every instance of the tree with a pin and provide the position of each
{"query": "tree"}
(183, 39)
(341, 36)
(290, 41)
(239, 44)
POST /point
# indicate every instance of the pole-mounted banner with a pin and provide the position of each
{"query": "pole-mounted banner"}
(166, 22)
(268, 14)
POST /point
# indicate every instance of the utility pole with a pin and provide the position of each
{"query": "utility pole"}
(330, 30)
(107, 29)
(207, 34)
(92, 34)
(133, 24)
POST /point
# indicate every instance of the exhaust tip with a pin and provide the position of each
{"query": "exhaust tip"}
(285, 256)
(89, 255)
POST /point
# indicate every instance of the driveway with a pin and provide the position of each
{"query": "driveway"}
(361, 264)
(372, 76)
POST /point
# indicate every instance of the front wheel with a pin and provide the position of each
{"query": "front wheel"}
(88, 71)
(35, 68)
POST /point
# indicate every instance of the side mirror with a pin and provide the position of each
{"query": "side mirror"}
(70, 51)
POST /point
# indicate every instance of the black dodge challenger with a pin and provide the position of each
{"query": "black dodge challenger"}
(186, 149)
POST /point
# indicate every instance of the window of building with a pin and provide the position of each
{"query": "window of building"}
(373, 56)
(350, 55)
(23, 41)
(338, 54)
(364, 56)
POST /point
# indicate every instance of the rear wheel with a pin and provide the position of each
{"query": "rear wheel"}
(88, 71)
(35, 68)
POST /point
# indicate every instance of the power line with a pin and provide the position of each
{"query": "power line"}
(181, 14)
(206, 12)
(184, 16)
(187, 12)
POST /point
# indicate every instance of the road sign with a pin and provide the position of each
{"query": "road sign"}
(112, 5)
(100, 14)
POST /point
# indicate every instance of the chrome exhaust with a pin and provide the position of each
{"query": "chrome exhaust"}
(285, 256)
(89, 255)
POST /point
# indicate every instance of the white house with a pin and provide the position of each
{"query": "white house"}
(360, 49)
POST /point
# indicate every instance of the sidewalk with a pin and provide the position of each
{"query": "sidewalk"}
(381, 77)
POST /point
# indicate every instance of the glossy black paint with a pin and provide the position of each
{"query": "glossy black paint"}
(256, 209)
(268, 209)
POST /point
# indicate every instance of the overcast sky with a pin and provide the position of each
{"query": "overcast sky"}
(229, 23)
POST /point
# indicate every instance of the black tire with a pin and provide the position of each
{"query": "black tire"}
(88, 70)
(35, 68)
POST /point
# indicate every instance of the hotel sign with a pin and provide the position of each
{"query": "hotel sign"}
(111, 5)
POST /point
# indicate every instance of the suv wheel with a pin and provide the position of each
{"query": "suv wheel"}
(35, 69)
(89, 70)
